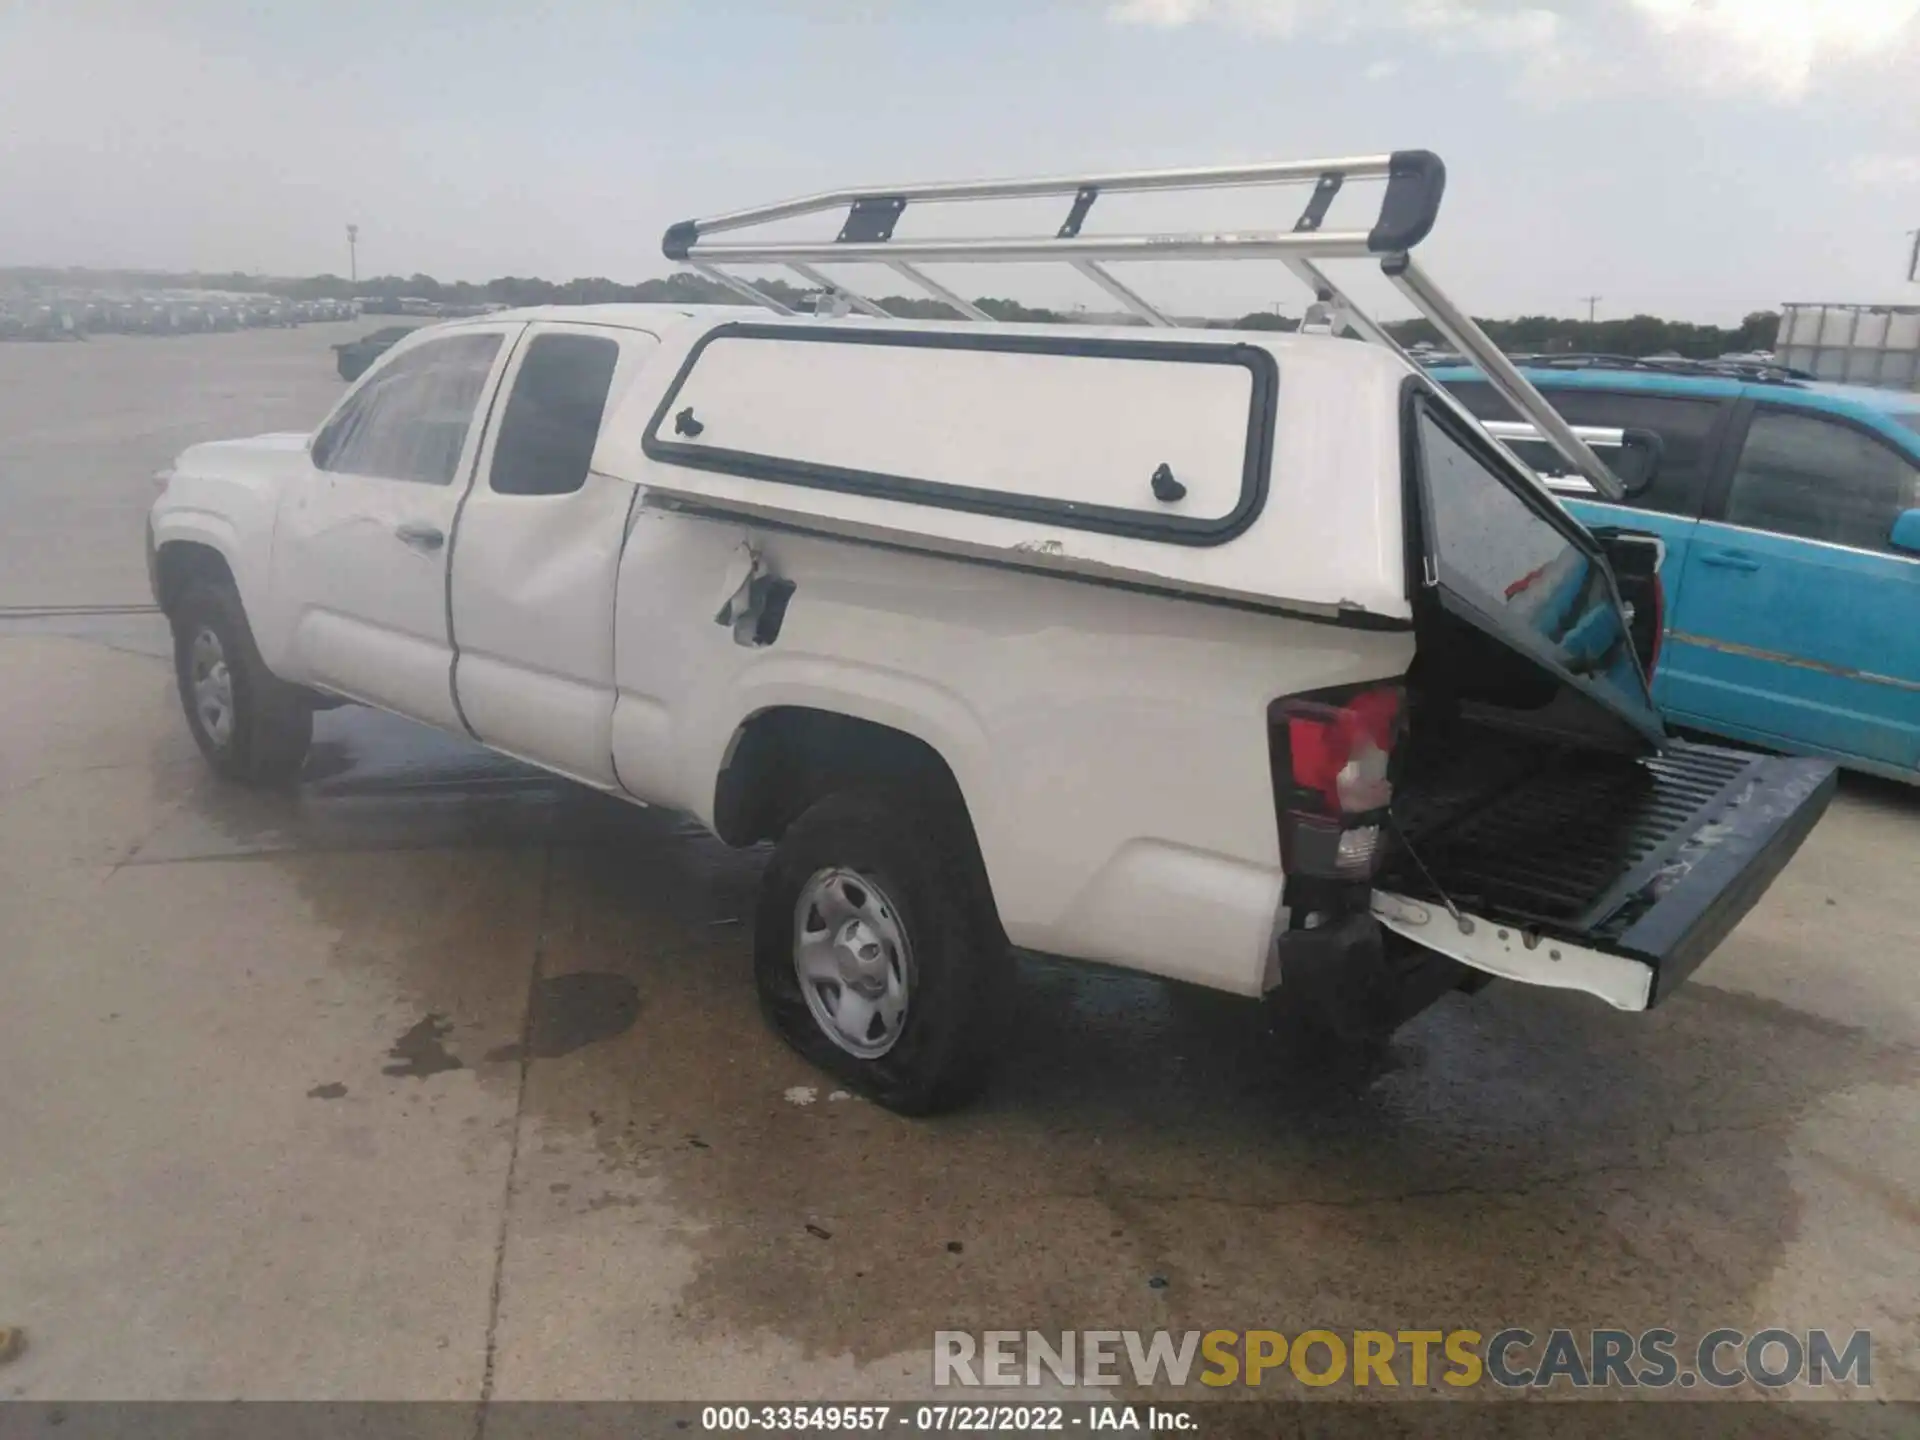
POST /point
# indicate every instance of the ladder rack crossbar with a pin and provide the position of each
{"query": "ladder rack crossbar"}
(1205, 177)
(1415, 182)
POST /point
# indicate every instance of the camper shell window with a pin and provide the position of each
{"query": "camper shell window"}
(1158, 440)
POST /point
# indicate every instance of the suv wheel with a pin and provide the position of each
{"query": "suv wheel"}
(877, 954)
(252, 726)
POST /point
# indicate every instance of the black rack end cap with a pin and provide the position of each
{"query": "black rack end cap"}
(679, 238)
(1416, 179)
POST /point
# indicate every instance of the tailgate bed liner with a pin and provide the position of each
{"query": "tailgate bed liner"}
(1655, 859)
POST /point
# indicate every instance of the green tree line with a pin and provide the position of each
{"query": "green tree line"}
(1546, 335)
(1535, 334)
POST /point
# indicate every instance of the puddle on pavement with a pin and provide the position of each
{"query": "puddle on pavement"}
(421, 1051)
(571, 1012)
(1517, 1157)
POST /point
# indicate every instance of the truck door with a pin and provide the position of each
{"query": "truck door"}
(537, 552)
(1796, 619)
(360, 549)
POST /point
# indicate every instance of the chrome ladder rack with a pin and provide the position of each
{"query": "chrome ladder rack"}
(1415, 181)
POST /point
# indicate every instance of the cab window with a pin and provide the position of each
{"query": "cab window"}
(552, 419)
(409, 421)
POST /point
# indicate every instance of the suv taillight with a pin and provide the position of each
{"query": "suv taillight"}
(1332, 768)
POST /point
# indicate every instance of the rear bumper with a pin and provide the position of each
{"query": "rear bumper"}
(1666, 915)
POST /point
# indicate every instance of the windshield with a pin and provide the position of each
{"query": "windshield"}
(1524, 572)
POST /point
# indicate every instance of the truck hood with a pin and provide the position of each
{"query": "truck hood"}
(248, 457)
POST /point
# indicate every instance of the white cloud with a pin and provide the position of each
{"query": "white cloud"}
(1382, 70)
(1778, 46)
(1879, 172)
(1161, 14)
(1777, 50)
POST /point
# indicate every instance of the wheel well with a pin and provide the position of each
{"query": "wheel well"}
(180, 563)
(783, 760)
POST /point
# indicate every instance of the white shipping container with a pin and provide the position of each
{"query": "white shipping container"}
(1877, 345)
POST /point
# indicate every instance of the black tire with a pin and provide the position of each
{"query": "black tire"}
(921, 856)
(265, 740)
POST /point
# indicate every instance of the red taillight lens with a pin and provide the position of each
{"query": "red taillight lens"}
(1341, 752)
(1338, 782)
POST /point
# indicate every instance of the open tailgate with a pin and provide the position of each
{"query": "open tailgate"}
(1589, 872)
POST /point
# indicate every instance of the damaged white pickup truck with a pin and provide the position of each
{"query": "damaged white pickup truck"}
(1248, 660)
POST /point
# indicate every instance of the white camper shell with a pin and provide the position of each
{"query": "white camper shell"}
(1182, 463)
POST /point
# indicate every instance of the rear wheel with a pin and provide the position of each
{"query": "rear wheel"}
(252, 726)
(876, 951)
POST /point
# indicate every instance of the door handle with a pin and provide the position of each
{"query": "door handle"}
(420, 536)
(1730, 560)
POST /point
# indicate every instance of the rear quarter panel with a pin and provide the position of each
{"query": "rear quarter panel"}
(1111, 745)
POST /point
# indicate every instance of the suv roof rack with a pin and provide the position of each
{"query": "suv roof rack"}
(1738, 367)
(1415, 181)
(1763, 370)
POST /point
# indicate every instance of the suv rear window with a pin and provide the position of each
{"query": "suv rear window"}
(1522, 571)
(1686, 427)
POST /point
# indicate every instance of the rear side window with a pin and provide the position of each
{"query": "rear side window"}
(1820, 480)
(1521, 571)
(1687, 428)
(410, 420)
(552, 420)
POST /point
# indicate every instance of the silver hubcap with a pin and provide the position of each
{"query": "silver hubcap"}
(212, 685)
(855, 967)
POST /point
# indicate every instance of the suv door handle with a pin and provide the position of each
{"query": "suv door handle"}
(420, 536)
(1730, 560)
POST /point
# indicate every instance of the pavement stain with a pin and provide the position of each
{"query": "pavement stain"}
(420, 1051)
(573, 1011)
(1519, 1157)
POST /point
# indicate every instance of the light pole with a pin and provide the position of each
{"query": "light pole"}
(1913, 261)
(353, 254)
(1593, 302)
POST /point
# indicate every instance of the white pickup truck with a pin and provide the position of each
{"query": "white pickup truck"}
(1247, 660)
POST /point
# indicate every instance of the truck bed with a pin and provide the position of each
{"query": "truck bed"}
(1551, 837)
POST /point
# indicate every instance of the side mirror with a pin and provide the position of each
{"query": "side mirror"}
(1905, 534)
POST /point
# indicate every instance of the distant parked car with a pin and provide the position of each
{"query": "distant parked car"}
(1790, 513)
(354, 356)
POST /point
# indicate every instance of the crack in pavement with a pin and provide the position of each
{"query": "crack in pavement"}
(534, 976)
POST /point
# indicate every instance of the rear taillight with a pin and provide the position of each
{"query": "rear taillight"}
(1333, 767)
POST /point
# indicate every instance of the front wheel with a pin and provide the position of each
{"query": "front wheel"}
(876, 951)
(252, 726)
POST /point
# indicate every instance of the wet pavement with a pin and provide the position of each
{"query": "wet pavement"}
(436, 1078)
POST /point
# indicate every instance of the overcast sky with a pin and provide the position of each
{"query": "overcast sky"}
(1686, 157)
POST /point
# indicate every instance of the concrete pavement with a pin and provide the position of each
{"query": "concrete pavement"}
(438, 1079)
